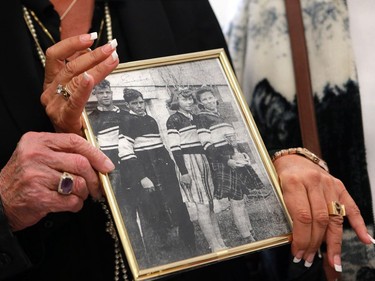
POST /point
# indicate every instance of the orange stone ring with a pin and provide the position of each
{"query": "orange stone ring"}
(336, 209)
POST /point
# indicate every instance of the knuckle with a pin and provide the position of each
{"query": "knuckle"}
(289, 178)
(69, 68)
(81, 164)
(44, 100)
(76, 204)
(76, 141)
(354, 210)
(50, 52)
(95, 55)
(337, 220)
(322, 219)
(304, 217)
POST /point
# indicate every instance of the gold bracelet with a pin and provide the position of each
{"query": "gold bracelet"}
(303, 152)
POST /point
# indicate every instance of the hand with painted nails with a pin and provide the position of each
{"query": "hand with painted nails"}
(71, 71)
(309, 193)
(32, 182)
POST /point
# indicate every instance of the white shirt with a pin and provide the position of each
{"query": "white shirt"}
(362, 28)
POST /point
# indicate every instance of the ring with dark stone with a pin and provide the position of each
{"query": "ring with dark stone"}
(336, 209)
(63, 91)
(65, 186)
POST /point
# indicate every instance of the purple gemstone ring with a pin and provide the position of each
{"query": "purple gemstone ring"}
(65, 186)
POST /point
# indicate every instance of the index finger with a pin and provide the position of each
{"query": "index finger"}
(58, 53)
(76, 144)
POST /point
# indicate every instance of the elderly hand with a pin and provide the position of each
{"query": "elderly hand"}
(79, 75)
(307, 189)
(28, 183)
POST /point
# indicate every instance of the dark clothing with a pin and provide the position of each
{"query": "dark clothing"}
(142, 155)
(183, 138)
(67, 246)
(105, 127)
(229, 183)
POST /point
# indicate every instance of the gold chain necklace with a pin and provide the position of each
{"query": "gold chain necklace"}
(27, 14)
(110, 226)
(68, 9)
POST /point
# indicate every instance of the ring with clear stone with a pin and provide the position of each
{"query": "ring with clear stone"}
(63, 91)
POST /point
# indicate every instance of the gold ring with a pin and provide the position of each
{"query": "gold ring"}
(336, 209)
(63, 91)
(66, 183)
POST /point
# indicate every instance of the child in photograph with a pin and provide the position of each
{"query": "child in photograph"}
(149, 171)
(195, 175)
(233, 179)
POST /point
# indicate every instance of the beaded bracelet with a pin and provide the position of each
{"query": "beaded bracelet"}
(303, 152)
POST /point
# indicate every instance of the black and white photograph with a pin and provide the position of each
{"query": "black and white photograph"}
(193, 183)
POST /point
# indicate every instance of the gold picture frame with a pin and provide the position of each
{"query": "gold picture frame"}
(151, 231)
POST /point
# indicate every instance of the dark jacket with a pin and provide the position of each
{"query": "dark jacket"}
(68, 246)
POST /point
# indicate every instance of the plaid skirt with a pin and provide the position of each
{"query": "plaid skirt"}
(234, 183)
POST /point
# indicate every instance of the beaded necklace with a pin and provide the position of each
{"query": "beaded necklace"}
(120, 271)
(27, 14)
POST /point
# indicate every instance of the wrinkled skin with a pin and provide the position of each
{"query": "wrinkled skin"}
(307, 189)
(28, 183)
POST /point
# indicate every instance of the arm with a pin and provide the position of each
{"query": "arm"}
(131, 168)
(174, 142)
(13, 259)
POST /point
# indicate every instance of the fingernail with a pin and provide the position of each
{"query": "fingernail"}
(337, 263)
(114, 55)
(89, 37)
(320, 254)
(371, 238)
(86, 76)
(109, 165)
(298, 256)
(86, 79)
(110, 46)
(309, 260)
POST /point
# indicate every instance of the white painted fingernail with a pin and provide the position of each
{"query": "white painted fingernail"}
(337, 263)
(93, 35)
(308, 264)
(89, 37)
(371, 238)
(309, 260)
(338, 268)
(114, 55)
(113, 43)
(298, 256)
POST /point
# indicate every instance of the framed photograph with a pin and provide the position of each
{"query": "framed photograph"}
(193, 183)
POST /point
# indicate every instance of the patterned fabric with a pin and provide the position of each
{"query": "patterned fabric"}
(229, 183)
(234, 184)
(202, 187)
(260, 50)
(190, 158)
(105, 125)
